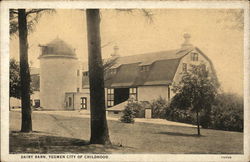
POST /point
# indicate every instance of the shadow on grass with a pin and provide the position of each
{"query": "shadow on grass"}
(180, 134)
(41, 142)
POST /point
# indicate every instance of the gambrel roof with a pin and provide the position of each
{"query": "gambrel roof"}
(161, 69)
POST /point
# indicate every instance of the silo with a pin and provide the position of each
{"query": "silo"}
(58, 74)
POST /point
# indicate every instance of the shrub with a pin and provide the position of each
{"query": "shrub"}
(159, 108)
(128, 114)
(184, 116)
(227, 114)
(139, 109)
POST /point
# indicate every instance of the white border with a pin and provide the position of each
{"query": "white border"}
(120, 4)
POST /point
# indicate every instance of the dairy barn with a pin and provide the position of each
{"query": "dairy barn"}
(61, 82)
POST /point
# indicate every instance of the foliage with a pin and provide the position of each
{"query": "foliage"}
(33, 16)
(227, 114)
(233, 19)
(139, 109)
(178, 115)
(128, 113)
(159, 108)
(196, 91)
(15, 82)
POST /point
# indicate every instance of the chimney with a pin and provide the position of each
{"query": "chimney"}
(186, 44)
(116, 52)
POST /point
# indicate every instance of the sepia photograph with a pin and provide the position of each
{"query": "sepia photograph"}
(124, 83)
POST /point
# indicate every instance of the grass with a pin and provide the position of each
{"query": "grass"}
(39, 142)
(59, 133)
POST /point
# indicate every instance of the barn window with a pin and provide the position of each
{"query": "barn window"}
(112, 71)
(70, 101)
(144, 68)
(110, 97)
(83, 102)
(37, 103)
(203, 67)
(194, 57)
(133, 92)
(85, 73)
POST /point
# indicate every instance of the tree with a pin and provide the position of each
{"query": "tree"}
(196, 91)
(99, 126)
(24, 72)
(128, 114)
(25, 21)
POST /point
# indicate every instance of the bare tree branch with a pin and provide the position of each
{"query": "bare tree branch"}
(37, 11)
(107, 44)
(33, 16)
(146, 12)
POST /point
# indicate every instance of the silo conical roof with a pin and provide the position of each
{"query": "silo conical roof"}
(57, 47)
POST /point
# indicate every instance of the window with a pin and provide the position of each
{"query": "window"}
(144, 68)
(194, 56)
(78, 89)
(37, 103)
(85, 73)
(110, 97)
(112, 71)
(83, 102)
(133, 92)
(70, 101)
(184, 67)
(203, 67)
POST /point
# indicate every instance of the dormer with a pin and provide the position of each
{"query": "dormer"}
(144, 68)
(112, 71)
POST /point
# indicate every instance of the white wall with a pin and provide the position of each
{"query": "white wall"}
(149, 93)
(187, 59)
(77, 100)
(14, 102)
(58, 76)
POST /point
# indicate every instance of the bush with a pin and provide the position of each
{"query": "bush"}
(139, 109)
(227, 114)
(128, 114)
(159, 108)
(184, 116)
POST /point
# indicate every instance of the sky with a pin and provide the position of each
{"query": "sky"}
(212, 31)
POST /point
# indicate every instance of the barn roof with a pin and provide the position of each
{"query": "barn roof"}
(161, 69)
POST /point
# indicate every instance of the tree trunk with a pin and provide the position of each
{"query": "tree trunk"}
(198, 122)
(99, 126)
(24, 72)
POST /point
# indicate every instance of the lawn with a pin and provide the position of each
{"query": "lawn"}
(57, 133)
